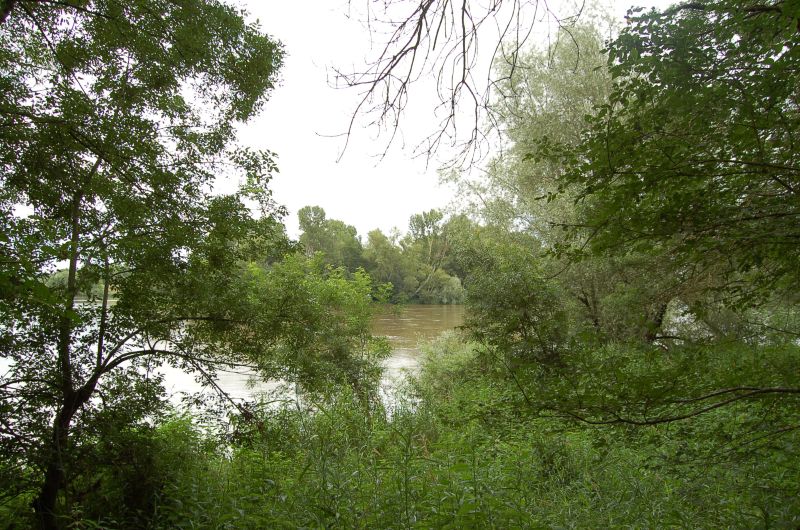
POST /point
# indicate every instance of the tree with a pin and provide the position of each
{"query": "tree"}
(386, 262)
(116, 119)
(549, 98)
(695, 149)
(549, 94)
(427, 246)
(337, 241)
(315, 325)
(514, 308)
(683, 184)
(312, 223)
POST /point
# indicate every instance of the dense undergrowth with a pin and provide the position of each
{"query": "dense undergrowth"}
(462, 448)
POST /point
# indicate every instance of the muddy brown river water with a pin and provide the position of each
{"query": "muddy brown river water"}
(405, 329)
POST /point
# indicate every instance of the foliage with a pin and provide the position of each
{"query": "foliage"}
(626, 388)
(679, 177)
(386, 262)
(466, 452)
(694, 148)
(419, 266)
(513, 306)
(317, 325)
(428, 245)
(337, 241)
(114, 139)
(546, 95)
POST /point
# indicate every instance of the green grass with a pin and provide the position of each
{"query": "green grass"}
(466, 451)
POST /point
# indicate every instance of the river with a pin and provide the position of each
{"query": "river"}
(405, 327)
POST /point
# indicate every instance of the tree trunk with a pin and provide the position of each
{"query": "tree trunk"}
(71, 399)
(54, 477)
(45, 503)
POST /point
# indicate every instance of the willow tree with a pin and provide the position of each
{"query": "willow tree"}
(116, 119)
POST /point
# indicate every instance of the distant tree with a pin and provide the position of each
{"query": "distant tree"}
(420, 266)
(427, 244)
(385, 262)
(312, 224)
(338, 242)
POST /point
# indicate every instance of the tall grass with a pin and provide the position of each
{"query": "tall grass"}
(464, 451)
(468, 454)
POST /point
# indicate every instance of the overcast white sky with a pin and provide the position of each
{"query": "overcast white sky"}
(360, 189)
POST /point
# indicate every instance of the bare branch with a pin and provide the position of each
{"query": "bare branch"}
(439, 42)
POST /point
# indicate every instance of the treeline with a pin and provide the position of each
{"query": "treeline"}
(421, 265)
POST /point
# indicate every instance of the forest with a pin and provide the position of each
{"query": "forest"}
(629, 263)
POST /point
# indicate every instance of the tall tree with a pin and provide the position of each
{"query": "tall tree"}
(116, 119)
(695, 148)
(385, 261)
(338, 242)
(548, 98)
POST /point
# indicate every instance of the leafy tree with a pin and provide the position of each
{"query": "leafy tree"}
(386, 263)
(547, 94)
(418, 266)
(695, 148)
(428, 246)
(117, 118)
(337, 241)
(548, 97)
(682, 183)
(320, 319)
(312, 223)
(513, 306)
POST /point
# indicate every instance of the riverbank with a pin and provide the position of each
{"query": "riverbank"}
(471, 453)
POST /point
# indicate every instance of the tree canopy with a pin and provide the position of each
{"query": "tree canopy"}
(695, 147)
(632, 312)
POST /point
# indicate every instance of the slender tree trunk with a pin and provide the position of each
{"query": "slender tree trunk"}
(71, 399)
(45, 503)
(101, 332)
